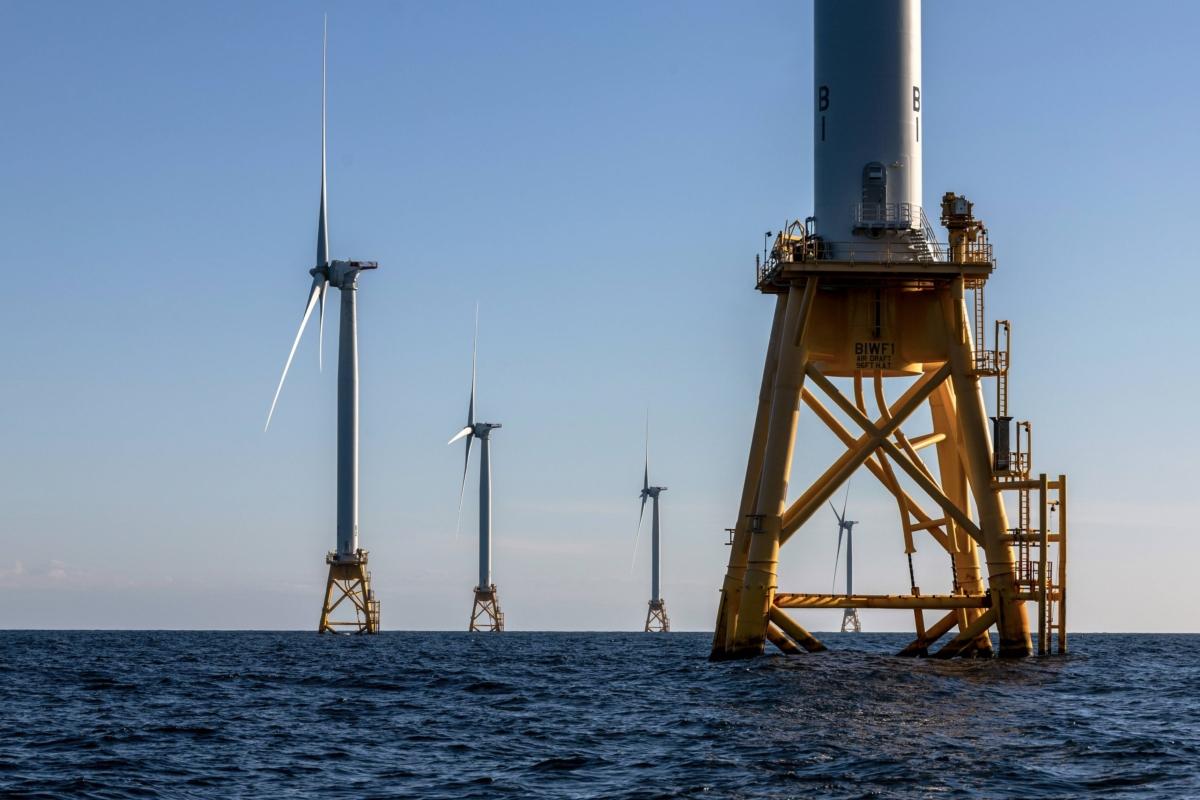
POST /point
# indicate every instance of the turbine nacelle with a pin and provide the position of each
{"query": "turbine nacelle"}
(342, 274)
(476, 430)
(482, 429)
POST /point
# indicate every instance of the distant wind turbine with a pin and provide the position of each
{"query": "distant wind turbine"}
(485, 613)
(657, 620)
(348, 576)
(850, 621)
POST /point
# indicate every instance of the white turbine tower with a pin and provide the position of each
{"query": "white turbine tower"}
(850, 621)
(657, 620)
(348, 576)
(485, 613)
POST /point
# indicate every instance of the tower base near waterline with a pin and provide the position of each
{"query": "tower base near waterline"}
(657, 620)
(486, 614)
(350, 581)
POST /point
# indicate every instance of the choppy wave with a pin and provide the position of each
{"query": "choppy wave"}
(590, 715)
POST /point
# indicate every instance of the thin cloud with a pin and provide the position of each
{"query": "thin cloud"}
(57, 574)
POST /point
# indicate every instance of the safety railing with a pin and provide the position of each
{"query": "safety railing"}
(797, 243)
(908, 217)
(991, 362)
(969, 253)
(885, 215)
(1012, 464)
(857, 252)
(936, 251)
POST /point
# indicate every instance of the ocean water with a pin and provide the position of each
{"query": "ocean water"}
(586, 715)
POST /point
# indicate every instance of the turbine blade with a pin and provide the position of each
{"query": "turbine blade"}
(638, 539)
(833, 587)
(313, 294)
(463, 490)
(844, 502)
(474, 353)
(323, 217)
(833, 508)
(321, 335)
(464, 432)
(646, 471)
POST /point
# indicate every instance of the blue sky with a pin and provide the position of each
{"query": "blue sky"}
(598, 178)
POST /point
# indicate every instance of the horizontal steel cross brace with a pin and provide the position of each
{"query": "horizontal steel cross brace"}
(795, 600)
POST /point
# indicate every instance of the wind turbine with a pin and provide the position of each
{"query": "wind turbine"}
(657, 620)
(850, 621)
(485, 613)
(348, 576)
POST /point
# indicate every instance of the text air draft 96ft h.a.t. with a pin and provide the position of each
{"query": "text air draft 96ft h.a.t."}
(348, 588)
(866, 294)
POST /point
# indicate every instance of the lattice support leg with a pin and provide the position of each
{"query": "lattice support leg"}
(349, 588)
(485, 613)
